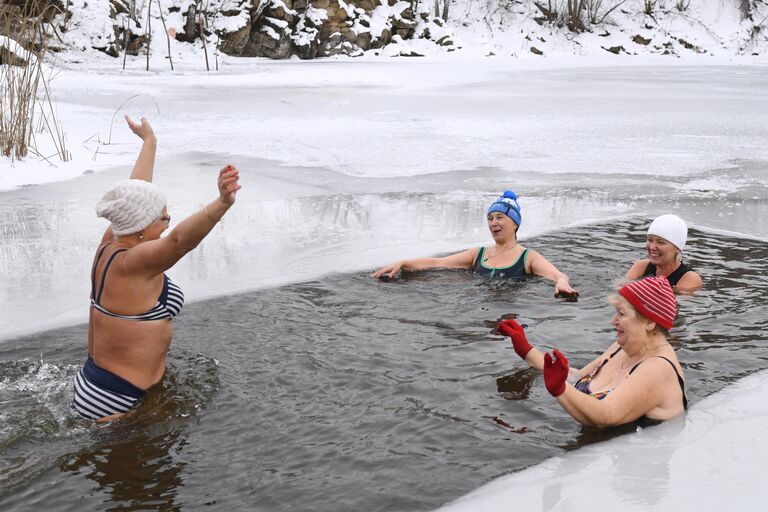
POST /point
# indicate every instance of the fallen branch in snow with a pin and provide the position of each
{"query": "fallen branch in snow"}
(112, 121)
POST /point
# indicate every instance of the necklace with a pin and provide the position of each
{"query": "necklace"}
(498, 253)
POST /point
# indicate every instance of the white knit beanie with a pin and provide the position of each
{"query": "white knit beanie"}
(131, 206)
(671, 228)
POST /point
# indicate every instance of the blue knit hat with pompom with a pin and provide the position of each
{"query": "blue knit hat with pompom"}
(507, 204)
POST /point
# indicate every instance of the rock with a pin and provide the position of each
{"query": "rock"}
(688, 45)
(364, 41)
(383, 40)
(110, 50)
(638, 39)
(409, 53)
(367, 5)
(235, 42)
(261, 44)
(614, 49)
(404, 28)
(536, 51)
(279, 13)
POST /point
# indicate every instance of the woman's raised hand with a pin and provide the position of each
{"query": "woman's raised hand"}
(228, 183)
(555, 373)
(516, 332)
(389, 271)
(142, 129)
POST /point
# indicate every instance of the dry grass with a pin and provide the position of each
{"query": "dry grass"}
(27, 108)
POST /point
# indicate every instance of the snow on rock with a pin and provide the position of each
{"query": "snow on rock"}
(280, 29)
(319, 28)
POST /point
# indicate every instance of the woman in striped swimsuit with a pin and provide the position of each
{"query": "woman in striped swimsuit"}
(637, 378)
(133, 302)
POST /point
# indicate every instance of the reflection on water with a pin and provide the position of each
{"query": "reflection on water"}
(142, 472)
(348, 393)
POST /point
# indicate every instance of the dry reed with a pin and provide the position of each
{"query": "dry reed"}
(25, 90)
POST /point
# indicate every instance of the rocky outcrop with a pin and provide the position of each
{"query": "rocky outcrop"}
(320, 28)
(276, 29)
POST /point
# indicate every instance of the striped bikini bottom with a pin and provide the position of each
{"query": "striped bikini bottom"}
(100, 393)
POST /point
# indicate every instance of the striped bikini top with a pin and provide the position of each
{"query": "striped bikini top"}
(169, 303)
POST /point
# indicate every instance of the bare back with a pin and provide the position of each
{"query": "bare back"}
(133, 350)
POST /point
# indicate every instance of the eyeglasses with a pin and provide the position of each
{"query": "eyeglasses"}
(166, 218)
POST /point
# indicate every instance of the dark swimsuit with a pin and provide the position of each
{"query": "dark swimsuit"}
(583, 383)
(99, 392)
(516, 270)
(674, 277)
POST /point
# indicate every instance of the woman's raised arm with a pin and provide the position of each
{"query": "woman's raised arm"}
(145, 163)
(156, 256)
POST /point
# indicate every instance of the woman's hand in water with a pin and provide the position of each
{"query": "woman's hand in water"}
(389, 271)
(555, 373)
(143, 129)
(563, 289)
(516, 332)
(228, 184)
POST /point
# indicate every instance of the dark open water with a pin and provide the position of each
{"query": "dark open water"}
(353, 394)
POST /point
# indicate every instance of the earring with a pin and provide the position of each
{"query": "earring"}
(141, 236)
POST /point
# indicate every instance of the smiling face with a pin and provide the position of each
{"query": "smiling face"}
(631, 327)
(502, 228)
(660, 251)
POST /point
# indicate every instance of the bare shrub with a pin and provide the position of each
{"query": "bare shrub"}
(577, 15)
(550, 11)
(575, 12)
(25, 94)
(596, 13)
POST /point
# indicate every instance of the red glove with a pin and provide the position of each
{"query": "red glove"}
(515, 331)
(555, 373)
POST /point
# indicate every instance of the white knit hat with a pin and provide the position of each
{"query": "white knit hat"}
(671, 228)
(131, 206)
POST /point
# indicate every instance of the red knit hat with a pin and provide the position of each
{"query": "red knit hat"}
(653, 298)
